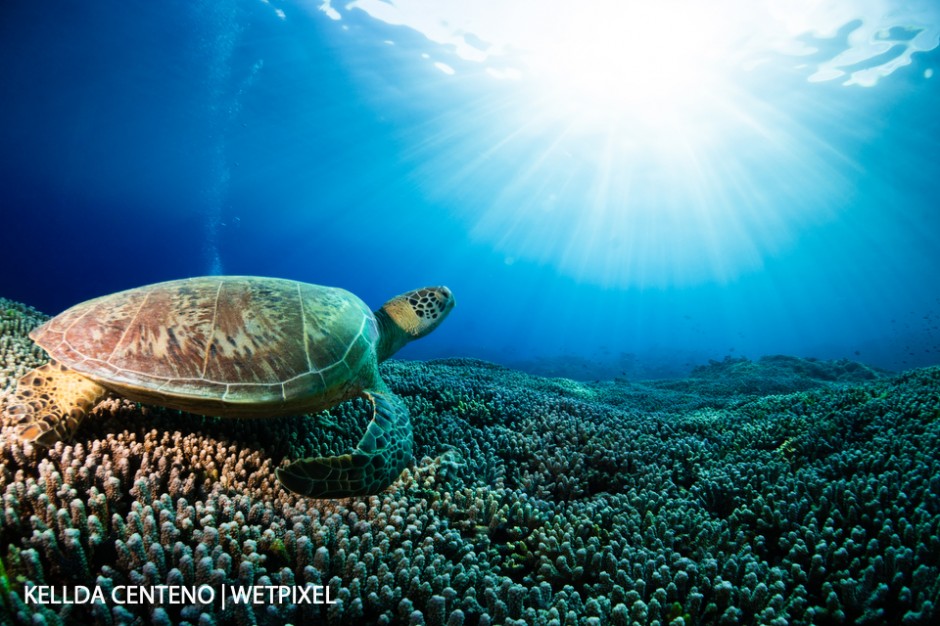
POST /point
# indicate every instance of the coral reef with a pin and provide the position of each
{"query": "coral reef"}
(773, 374)
(533, 501)
(18, 354)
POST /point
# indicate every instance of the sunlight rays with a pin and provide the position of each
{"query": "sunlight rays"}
(646, 144)
(623, 204)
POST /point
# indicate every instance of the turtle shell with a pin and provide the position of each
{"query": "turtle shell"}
(221, 345)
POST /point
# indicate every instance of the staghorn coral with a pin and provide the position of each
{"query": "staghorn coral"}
(535, 501)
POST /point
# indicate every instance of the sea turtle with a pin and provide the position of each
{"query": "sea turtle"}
(236, 346)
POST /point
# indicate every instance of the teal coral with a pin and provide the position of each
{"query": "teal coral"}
(17, 352)
(537, 501)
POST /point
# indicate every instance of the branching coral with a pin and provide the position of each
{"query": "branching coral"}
(534, 501)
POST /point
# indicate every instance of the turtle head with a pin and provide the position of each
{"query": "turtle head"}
(410, 316)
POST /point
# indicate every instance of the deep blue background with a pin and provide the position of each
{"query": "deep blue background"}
(142, 142)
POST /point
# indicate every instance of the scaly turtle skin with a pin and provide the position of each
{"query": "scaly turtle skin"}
(236, 346)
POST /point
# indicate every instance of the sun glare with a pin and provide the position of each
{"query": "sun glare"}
(647, 142)
(615, 59)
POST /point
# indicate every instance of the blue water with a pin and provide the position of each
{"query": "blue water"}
(778, 210)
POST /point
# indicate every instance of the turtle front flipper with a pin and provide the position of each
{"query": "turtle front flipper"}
(50, 403)
(380, 457)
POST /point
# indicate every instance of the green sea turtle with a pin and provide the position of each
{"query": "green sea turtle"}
(236, 346)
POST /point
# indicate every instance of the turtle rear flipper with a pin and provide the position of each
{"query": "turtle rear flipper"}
(50, 403)
(382, 454)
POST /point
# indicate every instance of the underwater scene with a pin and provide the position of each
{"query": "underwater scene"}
(443, 313)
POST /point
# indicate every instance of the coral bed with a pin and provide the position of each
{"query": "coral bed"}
(533, 501)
